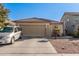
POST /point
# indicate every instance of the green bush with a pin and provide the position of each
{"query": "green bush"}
(76, 34)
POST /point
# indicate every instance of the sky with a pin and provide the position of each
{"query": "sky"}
(52, 11)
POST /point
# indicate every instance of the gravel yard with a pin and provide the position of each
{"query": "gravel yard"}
(66, 46)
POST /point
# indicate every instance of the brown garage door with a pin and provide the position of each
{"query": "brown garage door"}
(34, 30)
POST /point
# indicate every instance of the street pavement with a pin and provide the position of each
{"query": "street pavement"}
(28, 47)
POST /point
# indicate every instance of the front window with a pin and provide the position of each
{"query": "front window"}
(6, 29)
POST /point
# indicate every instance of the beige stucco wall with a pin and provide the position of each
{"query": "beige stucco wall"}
(60, 27)
(50, 28)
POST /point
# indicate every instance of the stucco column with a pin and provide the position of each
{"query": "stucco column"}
(46, 30)
(49, 30)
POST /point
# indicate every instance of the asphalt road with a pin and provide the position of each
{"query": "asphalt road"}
(32, 46)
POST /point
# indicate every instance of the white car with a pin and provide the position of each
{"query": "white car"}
(9, 34)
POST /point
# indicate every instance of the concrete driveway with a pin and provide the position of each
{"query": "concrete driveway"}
(32, 46)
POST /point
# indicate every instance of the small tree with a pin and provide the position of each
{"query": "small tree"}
(56, 31)
(3, 16)
(76, 33)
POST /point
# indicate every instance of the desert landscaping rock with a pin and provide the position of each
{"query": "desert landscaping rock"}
(65, 46)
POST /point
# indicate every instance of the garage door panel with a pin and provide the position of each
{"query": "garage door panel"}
(34, 30)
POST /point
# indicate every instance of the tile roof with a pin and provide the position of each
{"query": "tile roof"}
(72, 13)
(35, 18)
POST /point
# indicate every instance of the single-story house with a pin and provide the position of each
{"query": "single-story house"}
(38, 27)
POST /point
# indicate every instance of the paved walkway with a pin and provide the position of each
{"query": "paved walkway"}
(32, 46)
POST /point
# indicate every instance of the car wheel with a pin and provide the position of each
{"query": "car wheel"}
(20, 37)
(12, 40)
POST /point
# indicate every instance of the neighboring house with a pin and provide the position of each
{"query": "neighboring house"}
(71, 22)
(9, 22)
(38, 27)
